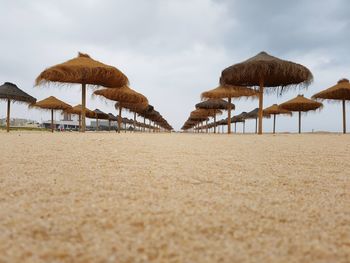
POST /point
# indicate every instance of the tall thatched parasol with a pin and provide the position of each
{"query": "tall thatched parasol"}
(264, 70)
(10, 92)
(78, 109)
(52, 103)
(215, 104)
(86, 71)
(125, 95)
(229, 92)
(301, 104)
(100, 115)
(276, 110)
(340, 91)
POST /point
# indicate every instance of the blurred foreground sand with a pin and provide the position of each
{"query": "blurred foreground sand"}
(107, 197)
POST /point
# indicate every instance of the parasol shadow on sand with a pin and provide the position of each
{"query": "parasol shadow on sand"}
(229, 92)
(301, 104)
(85, 71)
(11, 93)
(51, 103)
(276, 110)
(266, 71)
(338, 92)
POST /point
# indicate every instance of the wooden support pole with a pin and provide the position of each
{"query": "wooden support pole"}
(8, 115)
(52, 128)
(344, 117)
(83, 107)
(261, 103)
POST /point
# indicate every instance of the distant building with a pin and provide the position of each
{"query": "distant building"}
(17, 122)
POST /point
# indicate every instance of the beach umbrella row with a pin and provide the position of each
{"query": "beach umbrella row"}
(229, 92)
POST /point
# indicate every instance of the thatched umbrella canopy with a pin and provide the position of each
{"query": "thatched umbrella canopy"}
(52, 103)
(123, 94)
(78, 109)
(229, 92)
(264, 70)
(301, 104)
(338, 92)
(215, 104)
(100, 115)
(10, 92)
(276, 110)
(86, 71)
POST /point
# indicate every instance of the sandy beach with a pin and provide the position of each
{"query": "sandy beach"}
(107, 197)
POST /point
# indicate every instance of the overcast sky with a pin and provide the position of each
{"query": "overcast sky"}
(173, 50)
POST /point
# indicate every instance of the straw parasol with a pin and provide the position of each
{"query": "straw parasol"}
(215, 104)
(340, 91)
(301, 104)
(276, 110)
(52, 103)
(123, 94)
(86, 71)
(239, 118)
(10, 92)
(254, 114)
(100, 115)
(111, 118)
(229, 92)
(264, 70)
(78, 109)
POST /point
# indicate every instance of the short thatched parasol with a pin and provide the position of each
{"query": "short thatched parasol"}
(229, 92)
(301, 104)
(10, 92)
(111, 118)
(215, 104)
(83, 70)
(78, 109)
(254, 114)
(52, 103)
(340, 91)
(276, 110)
(100, 115)
(264, 70)
(125, 95)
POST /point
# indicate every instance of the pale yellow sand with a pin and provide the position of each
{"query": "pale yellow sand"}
(174, 198)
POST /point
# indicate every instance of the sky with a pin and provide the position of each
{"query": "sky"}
(173, 50)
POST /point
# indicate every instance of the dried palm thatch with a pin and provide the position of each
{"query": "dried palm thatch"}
(276, 110)
(124, 95)
(229, 92)
(10, 92)
(264, 70)
(51, 103)
(301, 104)
(341, 92)
(83, 70)
(86, 71)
